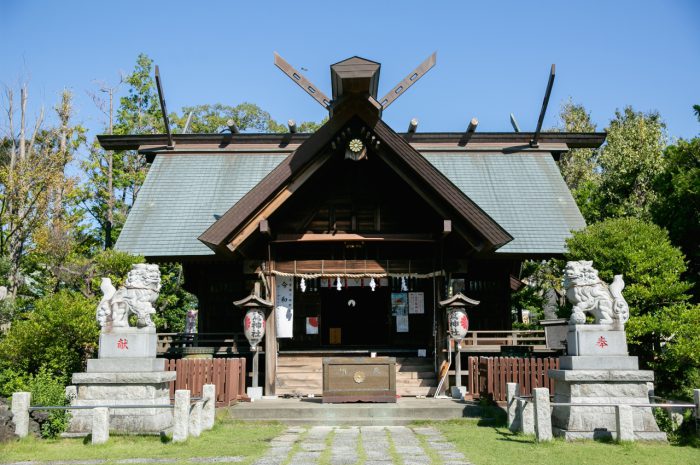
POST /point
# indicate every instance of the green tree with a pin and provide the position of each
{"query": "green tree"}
(174, 301)
(642, 252)
(214, 118)
(579, 167)
(113, 180)
(677, 205)
(654, 289)
(630, 161)
(58, 336)
(34, 186)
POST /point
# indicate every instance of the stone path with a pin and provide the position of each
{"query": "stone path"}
(329, 445)
(357, 445)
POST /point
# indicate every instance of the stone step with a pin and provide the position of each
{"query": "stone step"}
(312, 411)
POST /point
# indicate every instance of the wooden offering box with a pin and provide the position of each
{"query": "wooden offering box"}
(359, 379)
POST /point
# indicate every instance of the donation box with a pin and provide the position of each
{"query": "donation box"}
(359, 379)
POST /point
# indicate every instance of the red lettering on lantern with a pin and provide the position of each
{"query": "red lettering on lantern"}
(123, 344)
(602, 342)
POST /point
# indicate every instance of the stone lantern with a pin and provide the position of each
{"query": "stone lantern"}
(254, 330)
(457, 327)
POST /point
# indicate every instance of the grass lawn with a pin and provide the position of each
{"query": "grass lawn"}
(228, 438)
(489, 443)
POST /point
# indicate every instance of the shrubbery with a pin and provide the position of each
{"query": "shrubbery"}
(664, 329)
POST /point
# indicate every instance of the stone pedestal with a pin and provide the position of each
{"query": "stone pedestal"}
(598, 370)
(555, 332)
(126, 373)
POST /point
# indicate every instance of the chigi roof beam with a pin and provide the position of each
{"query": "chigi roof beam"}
(545, 102)
(514, 123)
(302, 82)
(408, 81)
(161, 98)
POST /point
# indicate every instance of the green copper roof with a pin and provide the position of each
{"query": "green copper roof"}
(184, 194)
(523, 192)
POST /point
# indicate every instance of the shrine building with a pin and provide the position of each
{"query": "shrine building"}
(356, 231)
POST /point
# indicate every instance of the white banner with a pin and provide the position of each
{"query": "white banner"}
(284, 306)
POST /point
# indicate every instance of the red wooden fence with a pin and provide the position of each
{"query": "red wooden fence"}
(488, 375)
(227, 374)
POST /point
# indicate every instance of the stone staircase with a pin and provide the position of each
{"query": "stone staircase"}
(303, 375)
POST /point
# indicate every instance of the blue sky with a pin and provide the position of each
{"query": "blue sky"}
(493, 57)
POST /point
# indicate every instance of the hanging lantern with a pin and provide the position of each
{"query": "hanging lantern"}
(457, 319)
(254, 326)
(457, 323)
(254, 319)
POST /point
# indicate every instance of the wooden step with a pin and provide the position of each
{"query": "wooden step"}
(415, 374)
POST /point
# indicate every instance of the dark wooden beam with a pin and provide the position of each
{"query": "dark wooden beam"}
(408, 81)
(412, 126)
(302, 82)
(574, 140)
(292, 126)
(163, 109)
(343, 237)
(264, 227)
(514, 123)
(535, 139)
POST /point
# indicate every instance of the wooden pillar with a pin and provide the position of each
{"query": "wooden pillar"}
(458, 364)
(271, 344)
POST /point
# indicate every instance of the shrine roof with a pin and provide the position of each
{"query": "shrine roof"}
(188, 189)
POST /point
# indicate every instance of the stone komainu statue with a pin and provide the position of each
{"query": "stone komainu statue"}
(136, 297)
(589, 294)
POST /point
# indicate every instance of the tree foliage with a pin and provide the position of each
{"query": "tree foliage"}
(58, 335)
(630, 161)
(677, 205)
(642, 253)
(664, 328)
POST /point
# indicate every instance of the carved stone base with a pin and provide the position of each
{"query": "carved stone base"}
(106, 389)
(617, 387)
(128, 342)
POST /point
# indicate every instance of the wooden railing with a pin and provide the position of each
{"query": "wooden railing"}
(488, 376)
(227, 374)
(223, 343)
(487, 340)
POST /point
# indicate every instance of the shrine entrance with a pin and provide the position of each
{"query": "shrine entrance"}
(355, 316)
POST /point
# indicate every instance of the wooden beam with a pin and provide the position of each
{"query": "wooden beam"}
(446, 227)
(276, 202)
(302, 82)
(543, 110)
(412, 126)
(163, 109)
(514, 123)
(232, 126)
(264, 227)
(408, 81)
(473, 123)
(292, 126)
(343, 237)
(271, 344)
